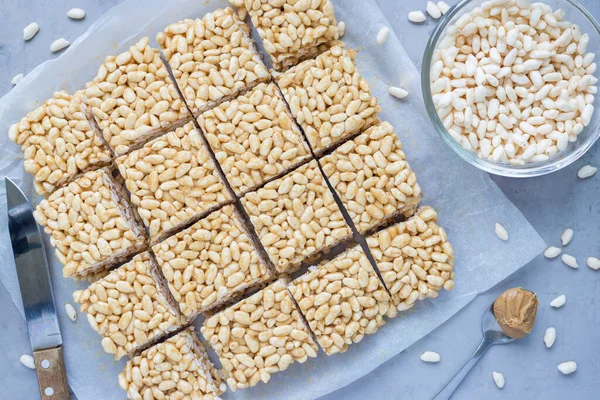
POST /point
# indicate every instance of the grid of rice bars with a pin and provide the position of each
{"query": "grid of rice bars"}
(197, 186)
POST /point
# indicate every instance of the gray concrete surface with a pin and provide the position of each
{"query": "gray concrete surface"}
(551, 203)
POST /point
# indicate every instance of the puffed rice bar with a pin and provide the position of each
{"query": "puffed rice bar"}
(292, 30)
(213, 58)
(133, 98)
(172, 181)
(372, 178)
(130, 307)
(296, 217)
(91, 225)
(177, 368)
(329, 99)
(343, 300)
(261, 335)
(210, 262)
(254, 138)
(415, 258)
(58, 143)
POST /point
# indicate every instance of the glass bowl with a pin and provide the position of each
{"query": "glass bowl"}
(574, 13)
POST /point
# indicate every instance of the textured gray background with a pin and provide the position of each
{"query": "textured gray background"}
(551, 203)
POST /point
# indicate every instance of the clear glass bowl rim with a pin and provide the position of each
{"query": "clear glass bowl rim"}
(501, 169)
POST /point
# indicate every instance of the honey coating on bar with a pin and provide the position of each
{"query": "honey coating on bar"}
(177, 368)
(372, 178)
(210, 262)
(91, 225)
(58, 142)
(343, 300)
(259, 336)
(415, 258)
(130, 307)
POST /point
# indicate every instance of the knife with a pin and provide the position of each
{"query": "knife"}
(36, 293)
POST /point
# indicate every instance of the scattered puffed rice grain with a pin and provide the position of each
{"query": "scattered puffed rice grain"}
(550, 337)
(501, 232)
(30, 30)
(59, 44)
(593, 263)
(76, 13)
(398, 92)
(559, 301)
(382, 35)
(16, 79)
(568, 367)
(586, 171)
(569, 260)
(443, 6)
(433, 10)
(552, 252)
(566, 236)
(430, 357)
(341, 28)
(27, 361)
(416, 17)
(71, 313)
(498, 379)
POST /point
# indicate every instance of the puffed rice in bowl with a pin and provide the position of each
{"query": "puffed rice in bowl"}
(549, 102)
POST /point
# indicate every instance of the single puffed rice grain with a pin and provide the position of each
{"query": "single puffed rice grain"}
(433, 10)
(498, 379)
(382, 35)
(71, 313)
(430, 357)
(341, 28)
(59, 44)
(566, 236)
(27, 361)
(398, 92)
(296, 217)
(416, 17)
(254, 138)
(172, 181)
(329, 99)
(552, 252)
(178, 368)
(443, 6)
(30, 31)
(16, 79)
(342, 300)
(593, 263)
(567, 367)
(549, 337)
(261, 335)
(569, 260)
(559, 301)
(130, 307)
(586, 171)
(371, 176)
(210, 262)
(76, 13)
(501, 232)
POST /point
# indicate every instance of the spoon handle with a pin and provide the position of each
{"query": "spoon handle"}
(451, 386)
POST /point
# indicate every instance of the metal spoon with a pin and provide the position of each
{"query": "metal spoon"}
(492, 334)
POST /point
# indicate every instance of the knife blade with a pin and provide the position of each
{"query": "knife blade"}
(37, 294)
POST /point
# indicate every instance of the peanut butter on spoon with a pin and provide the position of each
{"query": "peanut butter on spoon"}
(515, 310)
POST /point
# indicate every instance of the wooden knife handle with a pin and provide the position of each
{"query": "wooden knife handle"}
(52, 375)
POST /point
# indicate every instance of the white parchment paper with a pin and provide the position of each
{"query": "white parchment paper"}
(468, 202)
